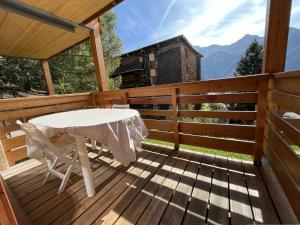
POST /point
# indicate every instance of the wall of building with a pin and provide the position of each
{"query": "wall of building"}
(190, 64)
(169, 64)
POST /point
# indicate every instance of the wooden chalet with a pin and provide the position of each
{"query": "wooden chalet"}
(170, 61)
(164, 185)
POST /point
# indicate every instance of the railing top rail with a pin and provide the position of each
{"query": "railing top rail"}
(288, 74)
(216, 82)
(43, 97)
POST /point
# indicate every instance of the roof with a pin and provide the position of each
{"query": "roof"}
(25, 37)
(179, 37)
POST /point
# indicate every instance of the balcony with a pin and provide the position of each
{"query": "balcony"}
(165, 185)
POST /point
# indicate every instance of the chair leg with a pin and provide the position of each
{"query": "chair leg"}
(51, 165)
(65, 180)
(101, 148)
(94, 144)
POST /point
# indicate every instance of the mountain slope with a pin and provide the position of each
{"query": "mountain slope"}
(221, 60)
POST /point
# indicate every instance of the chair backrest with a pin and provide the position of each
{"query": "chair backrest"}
(44, 142)
(119, 106)
(35, 134)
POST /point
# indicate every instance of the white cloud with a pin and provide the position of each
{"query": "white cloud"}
(165, 15)
(218, 21)
(295, 15)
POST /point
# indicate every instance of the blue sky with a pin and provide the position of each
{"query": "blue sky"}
(203, 22)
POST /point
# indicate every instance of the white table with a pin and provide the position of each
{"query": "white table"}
(119, 129)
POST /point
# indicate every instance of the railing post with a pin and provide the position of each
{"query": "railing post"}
(48, 78)
(262, 104)
(125, 97)
(175, 118)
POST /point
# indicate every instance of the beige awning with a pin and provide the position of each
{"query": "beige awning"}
(24, 37)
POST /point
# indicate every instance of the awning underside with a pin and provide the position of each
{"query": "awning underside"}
(24, 37)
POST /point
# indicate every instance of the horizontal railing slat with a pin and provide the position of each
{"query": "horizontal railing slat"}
(290, 85)
(219, 98)
(237, 115)
(150, 100)
(16, 114)
(16, 154)
(284, 151)
(164, 125)
(244, 147)
(38, 101)
(155, 112)
(13, 142)
(288, 129)
(287, 101)
(161, 135)
(218, 130)
(287, 182)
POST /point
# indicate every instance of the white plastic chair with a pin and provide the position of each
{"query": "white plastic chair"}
(114, 106)
(54, 152)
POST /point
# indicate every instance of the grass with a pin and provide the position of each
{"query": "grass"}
(296, 148)
(201, 149)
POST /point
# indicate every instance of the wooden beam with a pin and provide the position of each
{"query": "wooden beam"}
(262, 104)
(48, 78)
(98, 57)
(276, 35)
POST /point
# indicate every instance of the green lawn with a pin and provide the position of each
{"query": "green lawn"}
(296, 148)
(201, 149)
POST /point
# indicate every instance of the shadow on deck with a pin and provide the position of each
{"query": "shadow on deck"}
(162, 187)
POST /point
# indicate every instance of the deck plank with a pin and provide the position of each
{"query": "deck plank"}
(137, 207)
(70, 211)
(89, 216)
(165, 187)
(218, 212)
(100, 175)
(159, 202)
(240, 207)
(198, 205)
(176, 209)
(263, 210)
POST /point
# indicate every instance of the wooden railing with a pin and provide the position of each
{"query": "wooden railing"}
(168, 124)
(168, 119)
(281, 133)
(14, 147)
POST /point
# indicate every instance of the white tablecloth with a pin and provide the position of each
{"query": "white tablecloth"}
(121, 130)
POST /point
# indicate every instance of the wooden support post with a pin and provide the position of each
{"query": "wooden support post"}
(275, 46)
(260, 120)
(48, 78)
(98, 54)
(125, 97)
(175, 118)
(276, 35)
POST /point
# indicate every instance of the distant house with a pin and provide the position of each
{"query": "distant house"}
(170, 61)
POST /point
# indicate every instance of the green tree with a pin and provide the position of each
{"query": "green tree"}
(73, 70)
(20, 74)
(250, 63)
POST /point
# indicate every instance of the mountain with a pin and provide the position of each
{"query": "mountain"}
(221, 60)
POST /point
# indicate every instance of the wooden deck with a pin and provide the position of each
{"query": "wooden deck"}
(162, 187)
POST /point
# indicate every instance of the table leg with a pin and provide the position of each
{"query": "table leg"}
(85, 166)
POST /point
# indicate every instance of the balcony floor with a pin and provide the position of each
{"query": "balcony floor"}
(163, 187)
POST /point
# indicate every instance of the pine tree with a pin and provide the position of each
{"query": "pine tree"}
(250, 63)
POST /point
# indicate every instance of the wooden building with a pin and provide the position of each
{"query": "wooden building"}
(169, 61)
